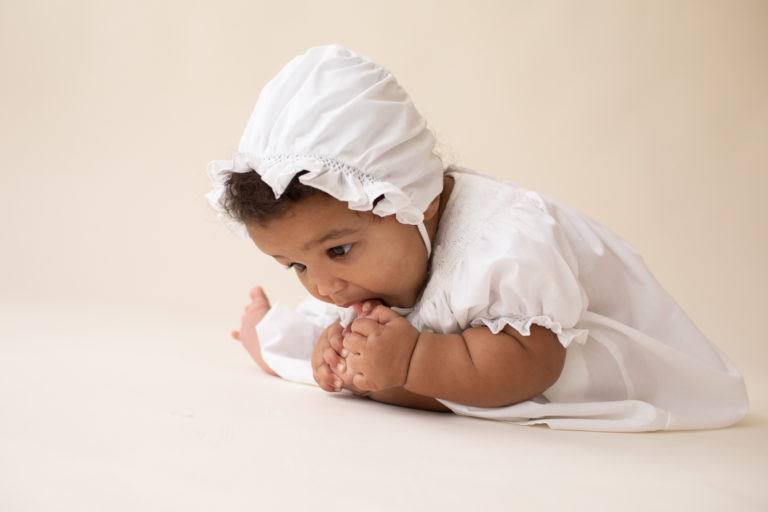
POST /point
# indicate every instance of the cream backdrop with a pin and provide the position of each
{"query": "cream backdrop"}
(119, 387)
(650, 116)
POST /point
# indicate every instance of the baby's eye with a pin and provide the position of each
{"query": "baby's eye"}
(340, 250)
(300, 267)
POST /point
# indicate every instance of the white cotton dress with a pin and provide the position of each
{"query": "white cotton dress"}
(504, 255)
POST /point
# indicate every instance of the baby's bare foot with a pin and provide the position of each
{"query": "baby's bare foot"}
(253, 314)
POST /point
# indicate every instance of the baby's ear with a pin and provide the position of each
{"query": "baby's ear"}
(432, 209)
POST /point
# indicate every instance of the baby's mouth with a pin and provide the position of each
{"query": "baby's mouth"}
(358, 305)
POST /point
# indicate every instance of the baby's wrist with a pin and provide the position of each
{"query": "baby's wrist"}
(419, 334)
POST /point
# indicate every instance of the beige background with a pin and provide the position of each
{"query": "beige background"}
(652, 117)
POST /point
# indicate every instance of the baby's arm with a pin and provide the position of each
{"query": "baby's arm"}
(475, 368)
(402, 397)
(253, 314)
(483, 369)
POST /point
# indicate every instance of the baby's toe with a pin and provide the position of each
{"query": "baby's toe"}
(258, 297)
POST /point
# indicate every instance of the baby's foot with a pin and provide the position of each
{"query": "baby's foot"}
(253, 314)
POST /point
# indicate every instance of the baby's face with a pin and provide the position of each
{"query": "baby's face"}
(346, 257)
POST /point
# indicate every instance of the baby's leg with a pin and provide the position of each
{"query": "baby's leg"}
(253, 314)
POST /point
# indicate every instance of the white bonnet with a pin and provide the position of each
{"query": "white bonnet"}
(344, 119)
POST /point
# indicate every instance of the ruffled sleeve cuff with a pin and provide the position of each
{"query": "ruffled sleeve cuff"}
(565, 335)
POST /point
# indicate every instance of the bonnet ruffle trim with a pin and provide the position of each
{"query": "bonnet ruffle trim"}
(344, 182)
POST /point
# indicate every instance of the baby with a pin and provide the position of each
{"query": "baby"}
(446, 289)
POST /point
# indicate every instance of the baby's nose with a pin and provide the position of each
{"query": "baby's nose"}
(329, 285)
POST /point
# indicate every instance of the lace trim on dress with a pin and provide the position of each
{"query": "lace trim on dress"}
(460, 211)
(465, 227)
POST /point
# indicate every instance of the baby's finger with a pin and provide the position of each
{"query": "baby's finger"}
(364, 326)
(326, 379)
(354, 363)
(362, 308)
(354, 343)
(235, 335)
(360, 382)
(336, 341)
(336, 362)
(382, 314)
(369, 305)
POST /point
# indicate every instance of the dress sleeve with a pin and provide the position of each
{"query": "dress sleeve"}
(287, 337)
(520, 270)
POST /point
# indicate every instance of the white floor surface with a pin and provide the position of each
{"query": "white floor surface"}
(106, 409)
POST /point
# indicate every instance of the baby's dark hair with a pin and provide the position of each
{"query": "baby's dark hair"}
(248, 199)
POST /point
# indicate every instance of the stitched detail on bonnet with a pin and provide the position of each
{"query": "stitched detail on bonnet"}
(330, 163)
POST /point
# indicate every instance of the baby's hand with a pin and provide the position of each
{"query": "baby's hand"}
(380, 344)
(254, 312)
